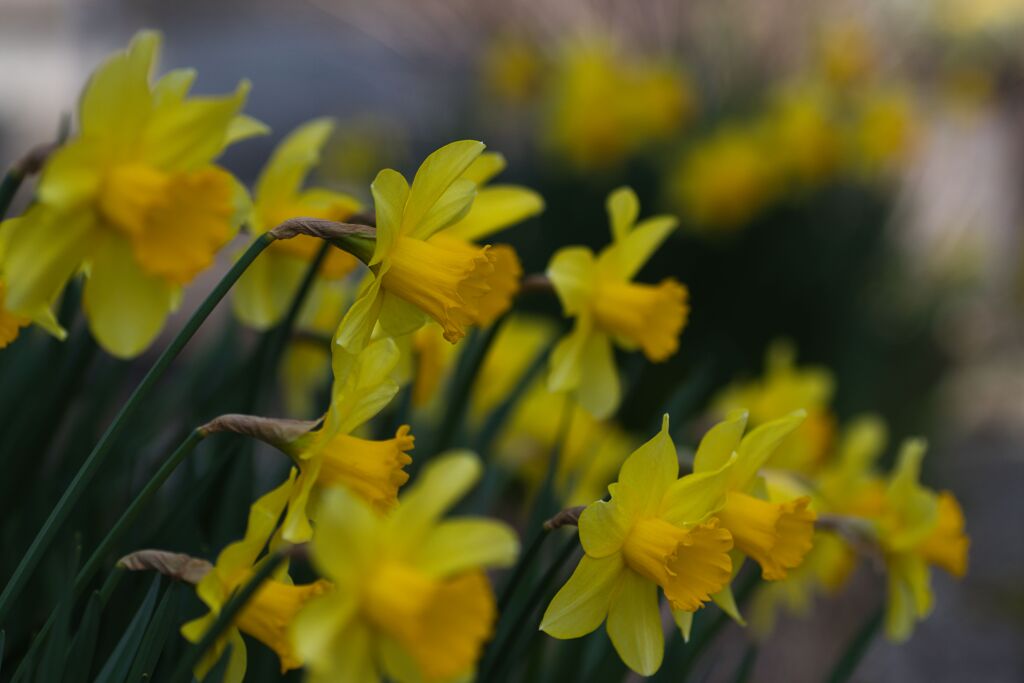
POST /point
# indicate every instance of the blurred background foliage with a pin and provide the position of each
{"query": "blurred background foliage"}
(848, 179)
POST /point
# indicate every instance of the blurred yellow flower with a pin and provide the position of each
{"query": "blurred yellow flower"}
(512, 69)
(806, 138)
(263, 293)
(330, 456)
(884, 129)
(134, 201)
(783, 389)
(656, 531)
(599, 293)
(725, 180)
(413, 278)
(268, 615)
(412, 601)
(847, 55)
(10, 324)
(605, 106)
(918, 528)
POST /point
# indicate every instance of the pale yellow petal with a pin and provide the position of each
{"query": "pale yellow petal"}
(291, 161)
(758, 446)
(695, 497)
(125, 306)
(626, 256)
(581, 604)
(398, 317)
(720, 442)
(390, 195)
(572, 272)
(441, 484)
(485, 167)
(634, 624)
(495, 208)
(356, 327)
(684, 621)
(623, 208)
(566, 361)
(263, 294)
(599, 392)
(263, 517)
(466, 543)
(243, 127)
(435, 175)
(450, 207)
(336, 648)
(73, 174)
(651, 469)
(603, 528)
(347, 533)
(191, 133)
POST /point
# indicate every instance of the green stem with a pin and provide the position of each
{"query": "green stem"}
(227, 615)
(520, 569)
(543, 587)
(462, 385)
(130, 514)
(99, 453)
(857, 648)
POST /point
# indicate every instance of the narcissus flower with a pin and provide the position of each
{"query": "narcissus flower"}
(657, 531)
(599, 293)
(783, 388)
(918, 529)
(331, 456)
(268, 615)
(267, 287)
(412, 601)
(134, 201)
(413, 278)
(777, 535)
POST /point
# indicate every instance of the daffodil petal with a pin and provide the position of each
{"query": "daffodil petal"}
(599, 392)
(263, 294)
(684, 621)
(439, 486)
(346, 527)
(566, 362)
(485, 167)
(243, 127)
(603, 529)
(336, 648)
(720, 442)
(695, 497)
(399, 317)
(623, 208)
(496, 207)
(126, 307)
(363, 385)
(572, 272)
(652, 469)
(450, 207)
(726, 601)
(291, 161)
(263, 517)
(173, 87)
(461, 544)
(634, 624)
(390, 195)
(356, 327)
(758, 446)
(72, 173)
(116, 102)
(581, 604)
(627, 256)
(433, 178)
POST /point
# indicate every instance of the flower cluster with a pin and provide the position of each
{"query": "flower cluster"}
(402, 306)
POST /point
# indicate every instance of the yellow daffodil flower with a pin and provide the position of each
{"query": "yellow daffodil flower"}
(777, 535)
(413, 278)
(884, 130)
(134, 201)
(656, 531)
(331, 456)
(412, 601)
(606, 106)
(918, 529)
(804, 128)
(268, 615)
(783, 389)
(599, 293)
(725, 180)
(264, 292)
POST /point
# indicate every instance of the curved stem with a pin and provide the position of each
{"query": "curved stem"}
(227, 615)
(99, 453)
(857, 647)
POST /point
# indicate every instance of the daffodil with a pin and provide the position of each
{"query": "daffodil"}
(777, 535)
(599, 293)
(783, 388)
(268, 615)
(134, 201)
(331, 456)
(918, 529)
(411, 601)
(657, 531)
(725, 180)
(413, 278)
(606, 106)
(265, 290)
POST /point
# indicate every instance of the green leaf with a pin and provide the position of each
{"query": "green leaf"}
(117, 666)
(162, 627)
(83, 646)
(51, 666)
